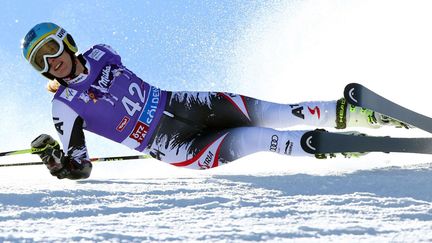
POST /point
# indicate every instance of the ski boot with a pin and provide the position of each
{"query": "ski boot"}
(354, 116)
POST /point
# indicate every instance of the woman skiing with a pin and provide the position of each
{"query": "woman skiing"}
(94, 91)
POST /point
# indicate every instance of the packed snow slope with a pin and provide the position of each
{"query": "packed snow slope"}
(282, 51)
(126, 201)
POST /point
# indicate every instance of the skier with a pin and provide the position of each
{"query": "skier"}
(94, 91)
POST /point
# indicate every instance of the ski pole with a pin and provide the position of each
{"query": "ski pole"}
(27, 151)
(15, 152)
(129, 157)
(102, 159)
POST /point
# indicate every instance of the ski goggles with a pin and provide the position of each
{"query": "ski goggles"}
(52, 46)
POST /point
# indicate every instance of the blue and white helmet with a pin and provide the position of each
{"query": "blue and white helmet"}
(46, 40)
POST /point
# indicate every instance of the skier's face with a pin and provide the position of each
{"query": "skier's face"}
(60, 66)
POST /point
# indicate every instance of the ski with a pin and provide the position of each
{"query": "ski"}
(358, 95)
(323, 142)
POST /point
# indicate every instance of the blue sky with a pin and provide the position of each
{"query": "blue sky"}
(164, 41)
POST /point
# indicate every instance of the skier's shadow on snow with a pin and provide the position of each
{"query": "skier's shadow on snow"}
(413, 183)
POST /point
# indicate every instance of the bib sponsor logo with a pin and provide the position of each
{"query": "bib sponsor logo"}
(99, 90)
(123, 124)
(139, 132)
(81, 77)
(150, 106)
(96, 54)
(68, 94)
(105, 81)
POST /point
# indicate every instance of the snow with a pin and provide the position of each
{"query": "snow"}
(145, 200)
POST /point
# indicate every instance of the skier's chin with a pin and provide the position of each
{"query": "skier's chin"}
(63, 74)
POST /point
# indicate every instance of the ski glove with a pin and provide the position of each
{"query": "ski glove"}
(51, 155)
